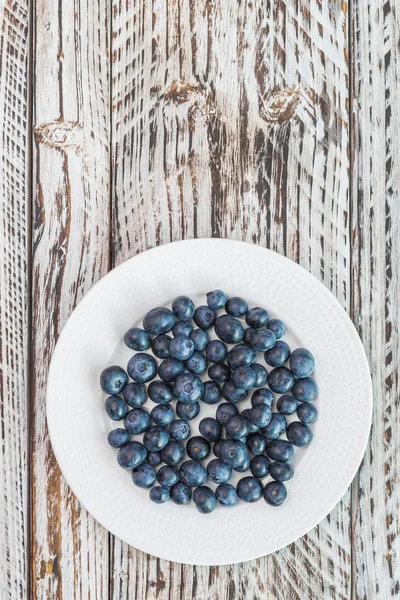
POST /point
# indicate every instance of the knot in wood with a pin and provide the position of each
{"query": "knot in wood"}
(280, 106)
(60, 134)
(180, 92)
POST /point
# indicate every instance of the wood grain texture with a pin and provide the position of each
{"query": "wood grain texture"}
(231, 119)
(14, 299)
(376, 285)
(70, 253)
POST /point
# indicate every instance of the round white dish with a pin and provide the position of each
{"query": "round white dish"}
(92, 340)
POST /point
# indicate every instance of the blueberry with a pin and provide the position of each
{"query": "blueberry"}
(245, 466)
(305, 390)
(181, 347)
(155, 438)
(159, 494)
(197, 448)
(183, 308)
(136, 421)
(233, 453)
(232, 393)
(159, 320)
(204, 499)
(241, 355)
(113, 380)
(226, 495)
(212, 393)
(216, 351)
(154, 458)
(229, 329)
(144, 476)
(180, 493)
(135, 394)
(257, 317)
(252, 428)
(256, 443)
(160, 392)
(216, 299)
(299, 434)
(275, 428)
(278, 355)
(187, 411)
(263, 340)
(219, 373)
(261, 374)
(170, 368)
(281, 471)
(249, 489)
(281, 380)
(142, 367)
(307, 413)
(260, 415)
(236, 306)
(237, 427)
(217, 447)
(248, 335)
(197, 363)
(259, 466)
(244, 377)
(280, 450)
(131, 455)
(188, 388)
(179, 430)
(200, 339)
(118, 438)
(162, 415)
(173, 452)
(225, 411)
(168, 475)
(116, 408)
(192, 473)
(277, 327)
(160, 345)
(275, 493)
(218, 471)
(182, 328)
(286, 405)
(262, 396)
(204, 317)
(301, 363)
(137, 339)
(210, 429)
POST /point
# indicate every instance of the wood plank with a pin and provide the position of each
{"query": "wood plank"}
(375, 289)
(14, 299)
(231, 119)
(70, 253)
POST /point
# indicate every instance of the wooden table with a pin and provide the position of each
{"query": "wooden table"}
(132, 124)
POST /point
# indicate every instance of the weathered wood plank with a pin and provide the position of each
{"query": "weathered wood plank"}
(231, 119)
(14, 299)
(375, 288)
(70, 252)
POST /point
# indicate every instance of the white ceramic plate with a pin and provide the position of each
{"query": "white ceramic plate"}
(92, 339)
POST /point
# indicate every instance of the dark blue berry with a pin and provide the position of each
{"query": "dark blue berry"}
(237, 427)
(155, 438)
(173, 452)
(226, 495)
(219, 373)
(170, 368)
(281, 380)
(236, 306)
(183, 308)
(131, 455)
(180, 493)
(116, 408)
(275, 428)
(137, 339)
(301, 363)
(182, 328)
(244, 377)
(249, 489)
(234, 453)
(197, 363)
(160, 392)
(278, 355)
(142, 367)
(259, 466)
(263, 340)
(248, 335)
(181, 347)
(204, 499)
(256, 443)
(159, 320)
(192, 473)
(160, 345)
(241, 355)
(154, 458)
(210, 429)
(260, 415)
(252, 428)
(262, 396)
(118, 438)
(307, 412)
(217, 447)
(280, 450)
(113, 380)
(197, 448)
(245, 466)
(261, 374)
(218, 471)
(187, 411)
(134, 394)
(286, 404)
(159, 494)
(200, 339)
(229, 329)
(277, 327)
(204, 317)
(162, 415)
(216, 299)
(275, 493)
(232, 393)
(212, 393)
(216, 351)
(257, 317)
(144, 476)
(168, 475)
(225, 411)
(137, 421)
(281, 471)
(179, 430)
(299, 434)
(305, 390)
(188, 388)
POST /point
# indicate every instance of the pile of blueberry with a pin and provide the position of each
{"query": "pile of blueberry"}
(258, 438)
